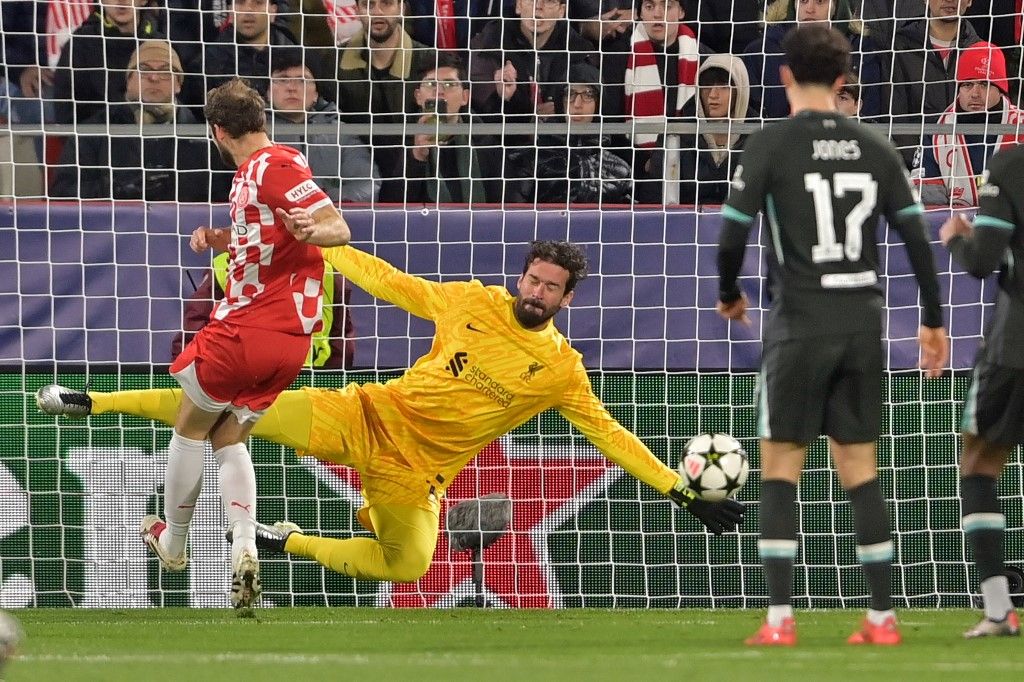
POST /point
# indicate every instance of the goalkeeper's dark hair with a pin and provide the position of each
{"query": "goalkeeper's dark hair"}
(236, 108)
(564, 255)
(816, 54)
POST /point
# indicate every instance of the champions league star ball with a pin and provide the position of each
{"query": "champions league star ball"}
(11, 635)
(715, 466)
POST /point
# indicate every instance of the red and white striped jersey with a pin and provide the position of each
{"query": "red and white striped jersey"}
(274, 281)
(63, 17)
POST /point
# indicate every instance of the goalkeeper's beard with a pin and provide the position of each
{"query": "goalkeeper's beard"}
(531, 313)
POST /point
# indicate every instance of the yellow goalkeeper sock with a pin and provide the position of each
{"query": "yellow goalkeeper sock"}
(406, 537)
(286, 421)
(159, 404)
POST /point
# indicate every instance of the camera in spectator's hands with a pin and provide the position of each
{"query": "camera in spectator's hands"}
(429, 108)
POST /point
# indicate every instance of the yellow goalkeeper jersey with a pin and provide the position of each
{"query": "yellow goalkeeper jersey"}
(483, 376)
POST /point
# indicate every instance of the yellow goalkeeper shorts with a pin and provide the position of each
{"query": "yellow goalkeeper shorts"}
(345, 429)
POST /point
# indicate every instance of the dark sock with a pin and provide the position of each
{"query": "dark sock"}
(983, 523)
(778, 544)
(874, 541)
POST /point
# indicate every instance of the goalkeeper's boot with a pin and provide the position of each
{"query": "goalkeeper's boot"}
(770, 635)
(272, 538)
(1007, 627)
(245, 583)
(886, 633)
(55, 399)
(151, 528)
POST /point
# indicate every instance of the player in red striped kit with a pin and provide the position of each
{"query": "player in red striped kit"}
(258, 336)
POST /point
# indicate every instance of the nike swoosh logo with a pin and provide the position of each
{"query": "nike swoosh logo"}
(471, 328)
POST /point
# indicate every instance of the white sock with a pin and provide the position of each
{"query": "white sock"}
(182, 482)
(777, 614)
(238, 493)
(996, 593)
(879, 617)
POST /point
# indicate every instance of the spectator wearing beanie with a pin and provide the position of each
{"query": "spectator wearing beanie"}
(167, 167)
(952, 164)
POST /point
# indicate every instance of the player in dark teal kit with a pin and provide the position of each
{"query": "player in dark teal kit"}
(822, 181)
(993, 420)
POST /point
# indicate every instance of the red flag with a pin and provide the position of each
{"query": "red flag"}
(63, 17)
(342, 19)
(445, 37)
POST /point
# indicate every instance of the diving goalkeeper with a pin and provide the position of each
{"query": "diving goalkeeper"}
(496, 361)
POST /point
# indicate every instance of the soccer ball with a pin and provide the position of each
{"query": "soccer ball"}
(715, 466)
(11, 635)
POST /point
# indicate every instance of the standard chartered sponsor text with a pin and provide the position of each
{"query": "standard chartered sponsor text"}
(482, 382)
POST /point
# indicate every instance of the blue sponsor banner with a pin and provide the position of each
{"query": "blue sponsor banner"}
(98, 282)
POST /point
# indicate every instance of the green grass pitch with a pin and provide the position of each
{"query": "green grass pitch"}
(307, 644)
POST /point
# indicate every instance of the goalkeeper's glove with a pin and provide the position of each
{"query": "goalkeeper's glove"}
(717, 517)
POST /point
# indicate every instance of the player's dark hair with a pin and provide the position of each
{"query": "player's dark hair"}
(816, 54)
(564, 255)
(236, 108)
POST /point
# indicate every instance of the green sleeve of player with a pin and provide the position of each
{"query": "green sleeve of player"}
(749, 180)
(994, 226)
(995, 196)
(901, 201)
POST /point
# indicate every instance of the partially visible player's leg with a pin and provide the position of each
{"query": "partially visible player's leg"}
(183, 480)
(992, 425)
(401, 552)
(856, 467)
(790, 406)
(781, 464)
(853, 417)
(285, 422)
(158, 404)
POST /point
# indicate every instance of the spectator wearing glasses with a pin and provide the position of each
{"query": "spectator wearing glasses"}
(952, 166)
(519, 68)
(377, 74)
(91, 71)
(577, 168)
(340, 163)
(153, 168)
(443, 168)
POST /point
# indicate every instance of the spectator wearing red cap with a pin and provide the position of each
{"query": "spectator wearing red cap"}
(952, 164)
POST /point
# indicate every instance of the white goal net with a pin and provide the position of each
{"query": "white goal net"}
(451, 133)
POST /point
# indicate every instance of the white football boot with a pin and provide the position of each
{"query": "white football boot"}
(151, 528)
(55, 399)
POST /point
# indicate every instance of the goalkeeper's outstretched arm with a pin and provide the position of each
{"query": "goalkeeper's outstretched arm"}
(587, 413)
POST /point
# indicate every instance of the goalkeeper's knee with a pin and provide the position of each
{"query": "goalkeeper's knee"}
(407, 564)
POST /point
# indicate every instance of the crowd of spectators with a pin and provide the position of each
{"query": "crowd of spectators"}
(335, 64)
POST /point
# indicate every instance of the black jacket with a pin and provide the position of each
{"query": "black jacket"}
(921, 83)
(165, 168)
(546, 69)
(223, 60)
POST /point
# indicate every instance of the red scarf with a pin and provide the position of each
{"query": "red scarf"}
(645, 93)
